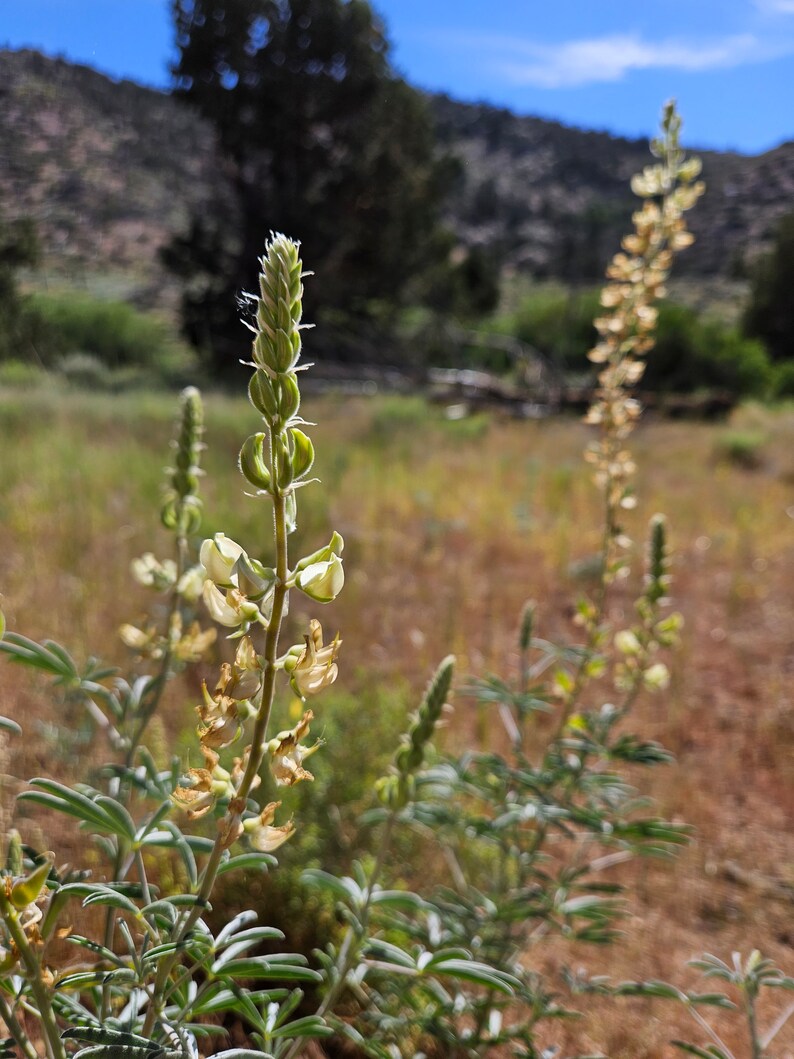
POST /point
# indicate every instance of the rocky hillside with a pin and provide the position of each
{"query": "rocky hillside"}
(109, 169)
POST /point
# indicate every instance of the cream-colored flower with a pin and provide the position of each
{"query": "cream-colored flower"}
(287, 754)
(315, 667)
(230, 608)
(263, 835)
(218, 557)
(657, 677)
(191, 583)
(147, 642)
(322, 581)
(149, 571)
(627, 643)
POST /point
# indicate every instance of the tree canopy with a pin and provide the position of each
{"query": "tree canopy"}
(323, 141)
(770, 313)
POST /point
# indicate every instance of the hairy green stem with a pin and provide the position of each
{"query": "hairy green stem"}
(52, 1036)
(16, 1029)
(258, 745)
(157, 689)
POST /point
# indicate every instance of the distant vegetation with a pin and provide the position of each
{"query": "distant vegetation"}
(290, 116)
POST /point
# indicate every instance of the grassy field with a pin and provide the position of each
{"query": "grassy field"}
(449, 528)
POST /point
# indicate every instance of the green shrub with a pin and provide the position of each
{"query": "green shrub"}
(741, 448)
(783, 380)
(558, 323)
(691, 353)
(18, 375)
(114, 333)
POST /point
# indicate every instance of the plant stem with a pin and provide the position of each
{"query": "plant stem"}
(157, 689)
(16, 1029)
(52, 1036)
(755, 1043)
(258, 744)
(351, 944)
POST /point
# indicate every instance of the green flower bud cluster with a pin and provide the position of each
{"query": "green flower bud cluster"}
(398, 789)
(278, 461)
(181, 509)
(637, 647)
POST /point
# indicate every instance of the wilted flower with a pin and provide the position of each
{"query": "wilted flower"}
(314, 667)
(287, 754)
(219, 714)
(204, 786)
(262, 835)
(192, 645)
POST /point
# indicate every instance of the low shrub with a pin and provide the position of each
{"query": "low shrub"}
(691, 352)
(113, 333)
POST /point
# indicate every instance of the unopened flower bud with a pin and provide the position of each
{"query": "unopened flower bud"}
(253, 462)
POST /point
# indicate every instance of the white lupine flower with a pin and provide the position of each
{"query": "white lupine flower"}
(218, 557)
(322, 581)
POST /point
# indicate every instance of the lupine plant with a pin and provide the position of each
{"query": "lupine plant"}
(519, 833)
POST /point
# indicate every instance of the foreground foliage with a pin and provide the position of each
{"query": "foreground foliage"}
(526, 834)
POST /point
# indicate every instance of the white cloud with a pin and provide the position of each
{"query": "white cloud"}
(610, 58)
(776, 7)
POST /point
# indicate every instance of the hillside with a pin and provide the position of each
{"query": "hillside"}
(109, 169)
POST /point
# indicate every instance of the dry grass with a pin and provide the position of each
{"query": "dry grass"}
(449, 528)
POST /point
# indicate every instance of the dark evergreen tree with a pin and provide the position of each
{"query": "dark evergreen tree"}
(770, 313)
(18, 249)
(321, 141)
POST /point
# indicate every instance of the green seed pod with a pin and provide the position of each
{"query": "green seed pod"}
(252, 461)
(302, 453)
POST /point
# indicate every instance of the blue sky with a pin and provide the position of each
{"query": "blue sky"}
(605, 64)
